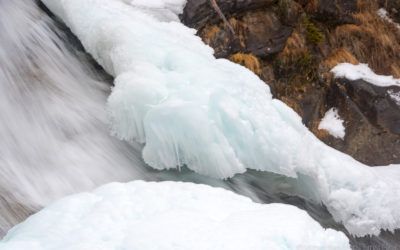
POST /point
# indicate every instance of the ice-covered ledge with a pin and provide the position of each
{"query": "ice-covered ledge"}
(213, 116)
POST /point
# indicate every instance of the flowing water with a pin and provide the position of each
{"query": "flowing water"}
(55, 139)
(53, 130)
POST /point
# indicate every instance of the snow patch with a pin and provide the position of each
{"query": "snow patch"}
(362, 71)
(384, 14)
(214, 116)
(169, 215)
(395, 96)
(333, 124)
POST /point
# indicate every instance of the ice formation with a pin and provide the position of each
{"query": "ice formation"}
(333, 124)
(362, 71)
(169, 215)
(214, 116)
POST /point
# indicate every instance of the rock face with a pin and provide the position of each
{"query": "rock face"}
(336, 11)
(372, 121)
(199, 13)
(293, 45)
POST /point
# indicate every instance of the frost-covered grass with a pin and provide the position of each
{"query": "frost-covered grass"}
(169, 215)
(362, 71)
(214, 116)
(333, 124)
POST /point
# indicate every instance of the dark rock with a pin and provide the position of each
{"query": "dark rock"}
(372, 121)
(199, 12)
(375, 103)
(336, 11)
(258, 32)
(266, 35)
(298, 71)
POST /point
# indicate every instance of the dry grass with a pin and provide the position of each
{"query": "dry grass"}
(295, 47)
(319, 133)
(340, 56)
(240, 30)
(209, 33)
(249, 61)
(374, 41)
(293, 103)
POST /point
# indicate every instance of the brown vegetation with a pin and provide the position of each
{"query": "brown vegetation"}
(340, 56)
(249, 61)
(374, 40)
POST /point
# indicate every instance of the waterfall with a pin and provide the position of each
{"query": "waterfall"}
(56, 138)
(54, 135)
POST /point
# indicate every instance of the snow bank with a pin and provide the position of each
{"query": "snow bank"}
(333, 124)
(169, 215)
(214, 116)
(362, 71)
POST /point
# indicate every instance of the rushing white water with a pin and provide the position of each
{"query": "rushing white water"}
(54, 134)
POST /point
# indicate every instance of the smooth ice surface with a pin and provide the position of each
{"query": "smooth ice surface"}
(362, 71)
(214, 116)
(169, 215)
(333, 124)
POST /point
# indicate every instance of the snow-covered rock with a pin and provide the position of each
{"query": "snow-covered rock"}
(333, 124)
(169, 215)
(395, 96)
(214, 116)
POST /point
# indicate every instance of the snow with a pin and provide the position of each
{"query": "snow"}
(384, 14)
(395, 96)
(214, 116)
(333, 124)
(169, 215)
(362, 71)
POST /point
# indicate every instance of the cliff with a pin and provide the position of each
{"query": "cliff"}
(293, 46)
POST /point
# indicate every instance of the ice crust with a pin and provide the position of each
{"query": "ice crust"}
(214, 116)
(169, 215)
(333, 124)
